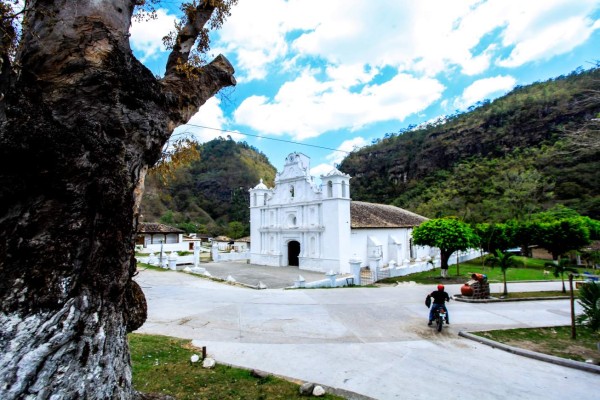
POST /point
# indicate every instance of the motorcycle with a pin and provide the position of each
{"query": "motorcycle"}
(439, 316)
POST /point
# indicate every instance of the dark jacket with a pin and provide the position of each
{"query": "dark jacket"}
(440, 297)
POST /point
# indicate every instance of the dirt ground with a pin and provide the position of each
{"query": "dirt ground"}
(569, 350)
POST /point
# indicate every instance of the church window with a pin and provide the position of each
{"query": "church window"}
(254, 199)
(265, 200)
(329, 189)
(344, 189)
(292, 191)
(292, 221)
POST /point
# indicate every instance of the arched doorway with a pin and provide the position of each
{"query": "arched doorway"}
(293, 253)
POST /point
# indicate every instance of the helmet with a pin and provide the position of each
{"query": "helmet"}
(440, 287)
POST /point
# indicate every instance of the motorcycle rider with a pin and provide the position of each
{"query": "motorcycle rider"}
(439, 301)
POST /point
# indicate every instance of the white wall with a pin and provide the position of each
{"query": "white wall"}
(174, 242)
(359, 247)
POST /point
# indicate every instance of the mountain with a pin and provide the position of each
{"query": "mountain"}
(524, 152)
(212, 191)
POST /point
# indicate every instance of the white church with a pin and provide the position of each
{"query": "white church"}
(318, 227)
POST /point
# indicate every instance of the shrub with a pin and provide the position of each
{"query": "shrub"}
(589, 299)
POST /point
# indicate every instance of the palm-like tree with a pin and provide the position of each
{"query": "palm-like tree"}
(564, 265)
(504, 260)
(589, 299)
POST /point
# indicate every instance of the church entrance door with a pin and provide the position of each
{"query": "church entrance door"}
(293, 253)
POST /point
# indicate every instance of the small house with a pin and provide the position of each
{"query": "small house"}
(154, 237)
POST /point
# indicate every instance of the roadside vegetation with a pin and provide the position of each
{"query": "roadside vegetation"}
(162, 365)
(531, 269)
(555, 341)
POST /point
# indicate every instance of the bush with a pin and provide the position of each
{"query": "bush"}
(589, 298)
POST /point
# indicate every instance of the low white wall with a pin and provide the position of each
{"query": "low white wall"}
(233, 256)
(155, 248)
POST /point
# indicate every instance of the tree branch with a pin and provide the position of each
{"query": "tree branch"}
(187, 90)
(186, 37)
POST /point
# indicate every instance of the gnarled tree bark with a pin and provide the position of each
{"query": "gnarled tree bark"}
(80, 122)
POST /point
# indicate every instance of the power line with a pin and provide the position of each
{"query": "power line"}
(264, 137)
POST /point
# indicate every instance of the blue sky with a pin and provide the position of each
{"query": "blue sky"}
(340, 73)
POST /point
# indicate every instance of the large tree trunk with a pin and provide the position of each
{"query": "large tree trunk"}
(80, 122)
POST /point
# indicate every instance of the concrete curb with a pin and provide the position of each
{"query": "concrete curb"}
(328, 389)
(532, 354)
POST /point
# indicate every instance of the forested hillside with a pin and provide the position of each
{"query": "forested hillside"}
(522, 153)
(211, 194)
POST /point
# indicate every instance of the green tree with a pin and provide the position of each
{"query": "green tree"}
(496, 236)
(562, 236)
(236, 230)
(448, 235)
(559, 269)
(505, 261)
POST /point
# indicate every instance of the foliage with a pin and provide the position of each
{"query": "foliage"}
(210, 191)
(175, 155)
(496, 236)
(162, 365)
(503, 160)
(532, 270)
(559, 269)
(589, 299)
(562, 236)
(447, 234)
(483, 189)
(236, 230)
(504, 261)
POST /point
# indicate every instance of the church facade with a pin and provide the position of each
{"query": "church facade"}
(317, 227)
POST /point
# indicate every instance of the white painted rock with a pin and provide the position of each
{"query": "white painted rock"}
(195, 358)
(318, 391)
(209, 363)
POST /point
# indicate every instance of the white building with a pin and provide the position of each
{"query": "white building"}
(154, 237)
(319, 227)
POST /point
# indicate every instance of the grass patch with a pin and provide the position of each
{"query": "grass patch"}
(532, 270)
(143, 266)
(161, 365)
(555, 341)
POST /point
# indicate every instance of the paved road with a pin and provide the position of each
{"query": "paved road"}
(252, 275)
(371, 341)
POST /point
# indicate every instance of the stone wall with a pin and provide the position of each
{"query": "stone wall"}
(481, 290)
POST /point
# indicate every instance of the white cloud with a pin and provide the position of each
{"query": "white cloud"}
(320, 169)
(146, 36)
(485, 89)
(306, 107)
(346, 147)
(365, 62)
(553, 40)
(428, 36)
(210, 115)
